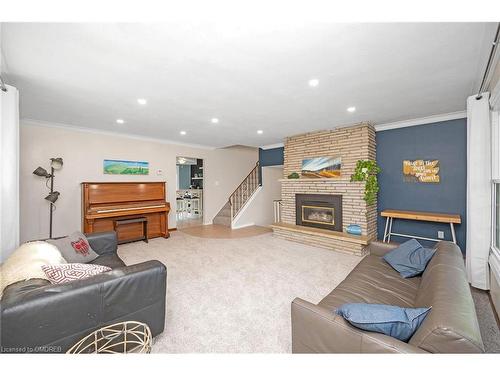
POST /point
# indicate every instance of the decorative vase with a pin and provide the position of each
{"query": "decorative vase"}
(354, 229)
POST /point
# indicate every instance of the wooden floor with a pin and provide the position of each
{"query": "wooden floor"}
(189, 220)
(221, 231)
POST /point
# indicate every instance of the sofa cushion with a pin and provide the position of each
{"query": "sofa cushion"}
(394, 321)
(110, 260)
(373, 281)
(75, 248)
(410, 258)
(451, 326)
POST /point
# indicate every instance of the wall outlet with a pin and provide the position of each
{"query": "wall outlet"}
(440, 234)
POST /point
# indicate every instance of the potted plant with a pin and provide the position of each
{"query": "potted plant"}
(367, 170)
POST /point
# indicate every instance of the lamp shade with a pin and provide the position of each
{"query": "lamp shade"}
(56, 163)
(52, 197)
(41, 172)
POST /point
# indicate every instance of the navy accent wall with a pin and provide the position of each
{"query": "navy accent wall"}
(270, 157)
(445, 141)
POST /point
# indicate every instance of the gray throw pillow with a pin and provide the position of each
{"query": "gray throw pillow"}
(395, 321)
(410, 258)
(75, 248)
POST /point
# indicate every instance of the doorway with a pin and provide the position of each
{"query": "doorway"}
(189, 195)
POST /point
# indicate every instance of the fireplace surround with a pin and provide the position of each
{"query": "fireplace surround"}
(319, 211)
(351, 143)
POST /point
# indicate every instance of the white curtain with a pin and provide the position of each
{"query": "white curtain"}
(9, 175)
(478, 191)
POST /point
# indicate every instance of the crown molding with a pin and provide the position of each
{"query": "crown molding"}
(378, 127)
(32, 122)
(421, 121)
(274, 145)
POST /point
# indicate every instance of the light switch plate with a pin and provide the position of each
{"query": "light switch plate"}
(440, 234)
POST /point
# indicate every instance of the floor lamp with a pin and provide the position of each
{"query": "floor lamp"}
(55, 164)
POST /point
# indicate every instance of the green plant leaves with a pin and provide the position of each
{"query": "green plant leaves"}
(367, 170)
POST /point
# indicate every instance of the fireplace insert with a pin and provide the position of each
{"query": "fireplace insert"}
(319, 211)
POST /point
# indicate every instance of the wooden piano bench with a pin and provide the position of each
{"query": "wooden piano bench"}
(141, 219)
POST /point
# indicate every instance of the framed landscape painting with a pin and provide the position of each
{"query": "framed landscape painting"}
(125, 167)
(322, 167)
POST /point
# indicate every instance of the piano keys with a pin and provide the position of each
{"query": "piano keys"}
(106, 203)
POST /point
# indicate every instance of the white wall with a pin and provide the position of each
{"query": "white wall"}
(259, 210)
(83, 153)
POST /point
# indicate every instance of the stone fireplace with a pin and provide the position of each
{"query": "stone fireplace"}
(317, 211)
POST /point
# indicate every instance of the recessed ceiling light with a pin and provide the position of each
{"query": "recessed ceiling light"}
(142, 101)
(313, 82)
(351, 109)
(182, 132)
(120, 121)
(260, 131)
(215, 120)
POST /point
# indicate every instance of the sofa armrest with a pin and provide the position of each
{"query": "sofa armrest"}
(379, 248)
(103, 242)
(59, 315)
(316, 329)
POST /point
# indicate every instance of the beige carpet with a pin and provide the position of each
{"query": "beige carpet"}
(221, 231)
(234, 295)
(488, 324)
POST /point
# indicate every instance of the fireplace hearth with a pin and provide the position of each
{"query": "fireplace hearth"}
(319, 211)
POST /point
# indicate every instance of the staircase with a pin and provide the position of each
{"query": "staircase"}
(224, 216)
(239, 198)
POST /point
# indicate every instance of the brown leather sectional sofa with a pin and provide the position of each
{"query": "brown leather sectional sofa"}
(450, 327)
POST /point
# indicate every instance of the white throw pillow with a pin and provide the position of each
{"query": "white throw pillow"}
(26, 263)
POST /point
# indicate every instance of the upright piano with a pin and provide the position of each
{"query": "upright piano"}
(106, 204)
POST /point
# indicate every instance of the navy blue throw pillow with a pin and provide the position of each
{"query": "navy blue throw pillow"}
(398, 322)
(410, 258)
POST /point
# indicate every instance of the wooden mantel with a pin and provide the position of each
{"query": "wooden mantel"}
(360, 240)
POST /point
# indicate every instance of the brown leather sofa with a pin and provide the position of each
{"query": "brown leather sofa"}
(450, 327)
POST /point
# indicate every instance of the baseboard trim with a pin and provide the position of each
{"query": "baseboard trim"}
(243, 226)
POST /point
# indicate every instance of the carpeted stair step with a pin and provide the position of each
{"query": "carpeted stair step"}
(222, 220)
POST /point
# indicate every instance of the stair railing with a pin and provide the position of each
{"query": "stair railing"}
(244, 191)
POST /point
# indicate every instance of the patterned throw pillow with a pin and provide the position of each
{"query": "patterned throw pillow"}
(75, 248)
(63, 273)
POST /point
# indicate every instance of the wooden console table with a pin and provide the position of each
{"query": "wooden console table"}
(435, 217)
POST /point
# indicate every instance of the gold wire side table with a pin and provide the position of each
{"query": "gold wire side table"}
(124, 337)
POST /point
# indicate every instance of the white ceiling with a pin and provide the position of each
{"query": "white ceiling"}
(249, 77)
